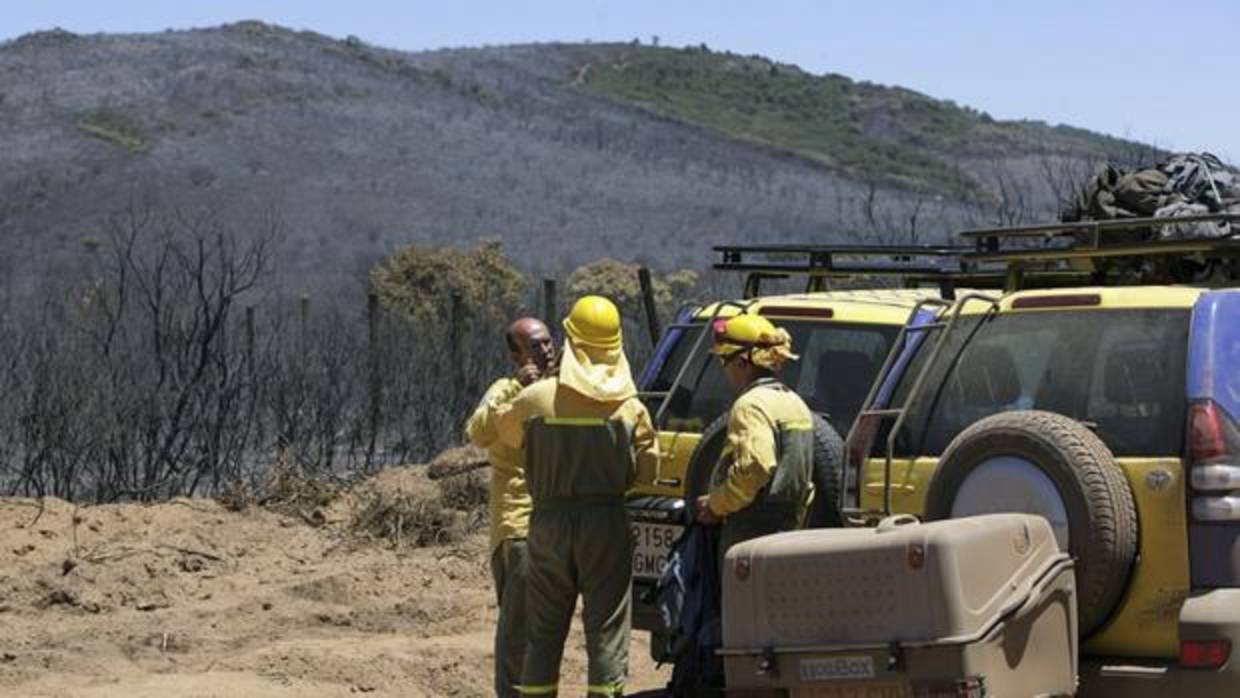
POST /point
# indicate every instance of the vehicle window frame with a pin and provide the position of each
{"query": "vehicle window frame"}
(916, 432)
(801, 328)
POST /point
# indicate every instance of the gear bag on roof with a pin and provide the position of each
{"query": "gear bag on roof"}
(1182, 185)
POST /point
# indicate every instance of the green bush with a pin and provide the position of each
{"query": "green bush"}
(618, 281)
(115, 127)
(419, 282)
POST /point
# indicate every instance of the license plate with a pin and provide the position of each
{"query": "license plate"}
(652, 543)
(865, 689)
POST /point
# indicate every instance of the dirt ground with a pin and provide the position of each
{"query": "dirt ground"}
(187, 598)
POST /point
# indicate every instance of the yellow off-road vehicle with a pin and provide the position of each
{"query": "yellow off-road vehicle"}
(1110, 406)
(842, 336)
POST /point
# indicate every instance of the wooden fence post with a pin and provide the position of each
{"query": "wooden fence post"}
(550, 310)
(458, 364)
(652, 315)
(374, 386)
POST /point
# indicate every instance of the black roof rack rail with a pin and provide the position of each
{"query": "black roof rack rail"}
(1096, 239)
(1003, 280)
(916, 264)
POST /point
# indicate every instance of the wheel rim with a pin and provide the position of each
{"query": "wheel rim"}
(1012, 484)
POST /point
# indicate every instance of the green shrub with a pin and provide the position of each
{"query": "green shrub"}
(618, 281)
(419, 282)
(116, 127)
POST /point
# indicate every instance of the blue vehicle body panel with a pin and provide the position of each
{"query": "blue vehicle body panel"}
(1214, 374)
(1214, 351)
(889, 381)
(666, 344)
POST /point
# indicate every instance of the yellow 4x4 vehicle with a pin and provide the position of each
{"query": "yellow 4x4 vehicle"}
(1110, 409)
(842, 338)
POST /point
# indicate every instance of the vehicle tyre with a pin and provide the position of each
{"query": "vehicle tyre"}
(702, 474)
(828, 474)
(1045, 463)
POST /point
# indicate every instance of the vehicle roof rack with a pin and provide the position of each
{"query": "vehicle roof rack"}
(1011, 258)
(915, 264)
(1094, 239)
(1125, 250)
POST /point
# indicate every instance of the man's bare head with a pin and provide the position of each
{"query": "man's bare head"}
(529, 341)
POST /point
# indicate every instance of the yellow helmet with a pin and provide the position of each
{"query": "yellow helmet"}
(742, 332)
(594, 322)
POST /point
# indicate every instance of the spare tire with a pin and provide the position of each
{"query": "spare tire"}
(1045, 463)
(828, 476)
(703, 473)
(700, 474)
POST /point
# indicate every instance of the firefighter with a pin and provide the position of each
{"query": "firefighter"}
(587, 439)
(533, 354)
(764, 482)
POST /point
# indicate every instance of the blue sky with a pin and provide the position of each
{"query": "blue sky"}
(1160, 72)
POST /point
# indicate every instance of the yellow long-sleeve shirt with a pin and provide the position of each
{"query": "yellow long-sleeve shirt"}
(753, 426)
(547, 398)
(509, 497)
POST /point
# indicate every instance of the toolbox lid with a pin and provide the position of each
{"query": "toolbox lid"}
(944, 582)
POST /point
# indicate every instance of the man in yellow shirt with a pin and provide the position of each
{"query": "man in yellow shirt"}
(587, 439)
(533, 352)
(763, 483)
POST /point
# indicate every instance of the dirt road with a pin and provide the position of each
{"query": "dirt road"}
(186, 598)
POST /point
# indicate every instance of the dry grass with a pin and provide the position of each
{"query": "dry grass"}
(406, 519)
(456, 461)
(455, 507)
(392, 508)
(286, 489)
(466, 492)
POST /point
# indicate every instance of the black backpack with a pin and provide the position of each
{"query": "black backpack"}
(688, 595)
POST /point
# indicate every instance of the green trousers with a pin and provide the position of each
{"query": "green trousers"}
(584, 549)
(510, 569)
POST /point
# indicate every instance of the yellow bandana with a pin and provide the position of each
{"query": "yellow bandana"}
(772, 351)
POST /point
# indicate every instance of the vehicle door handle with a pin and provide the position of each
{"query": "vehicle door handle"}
(670, 482)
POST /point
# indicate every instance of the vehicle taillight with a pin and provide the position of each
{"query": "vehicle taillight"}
(1204, 654)
(971, 687)
(1213, 462)
(1207, 438)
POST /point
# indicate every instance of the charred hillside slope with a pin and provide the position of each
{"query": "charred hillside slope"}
(568, 152)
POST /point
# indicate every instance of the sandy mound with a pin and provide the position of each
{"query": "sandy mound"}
(188, 598)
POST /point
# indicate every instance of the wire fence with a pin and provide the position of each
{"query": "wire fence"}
(159, 378)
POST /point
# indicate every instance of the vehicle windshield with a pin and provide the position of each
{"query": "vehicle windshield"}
(1121, 372)
(838, 362)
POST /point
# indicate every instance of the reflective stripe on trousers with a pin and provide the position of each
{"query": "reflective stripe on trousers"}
(611, 689)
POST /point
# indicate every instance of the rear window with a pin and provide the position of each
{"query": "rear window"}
(838, 363)
(1120, 372)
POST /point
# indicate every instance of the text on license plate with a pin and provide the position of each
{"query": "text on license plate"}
(837, 668)
(652, 543)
